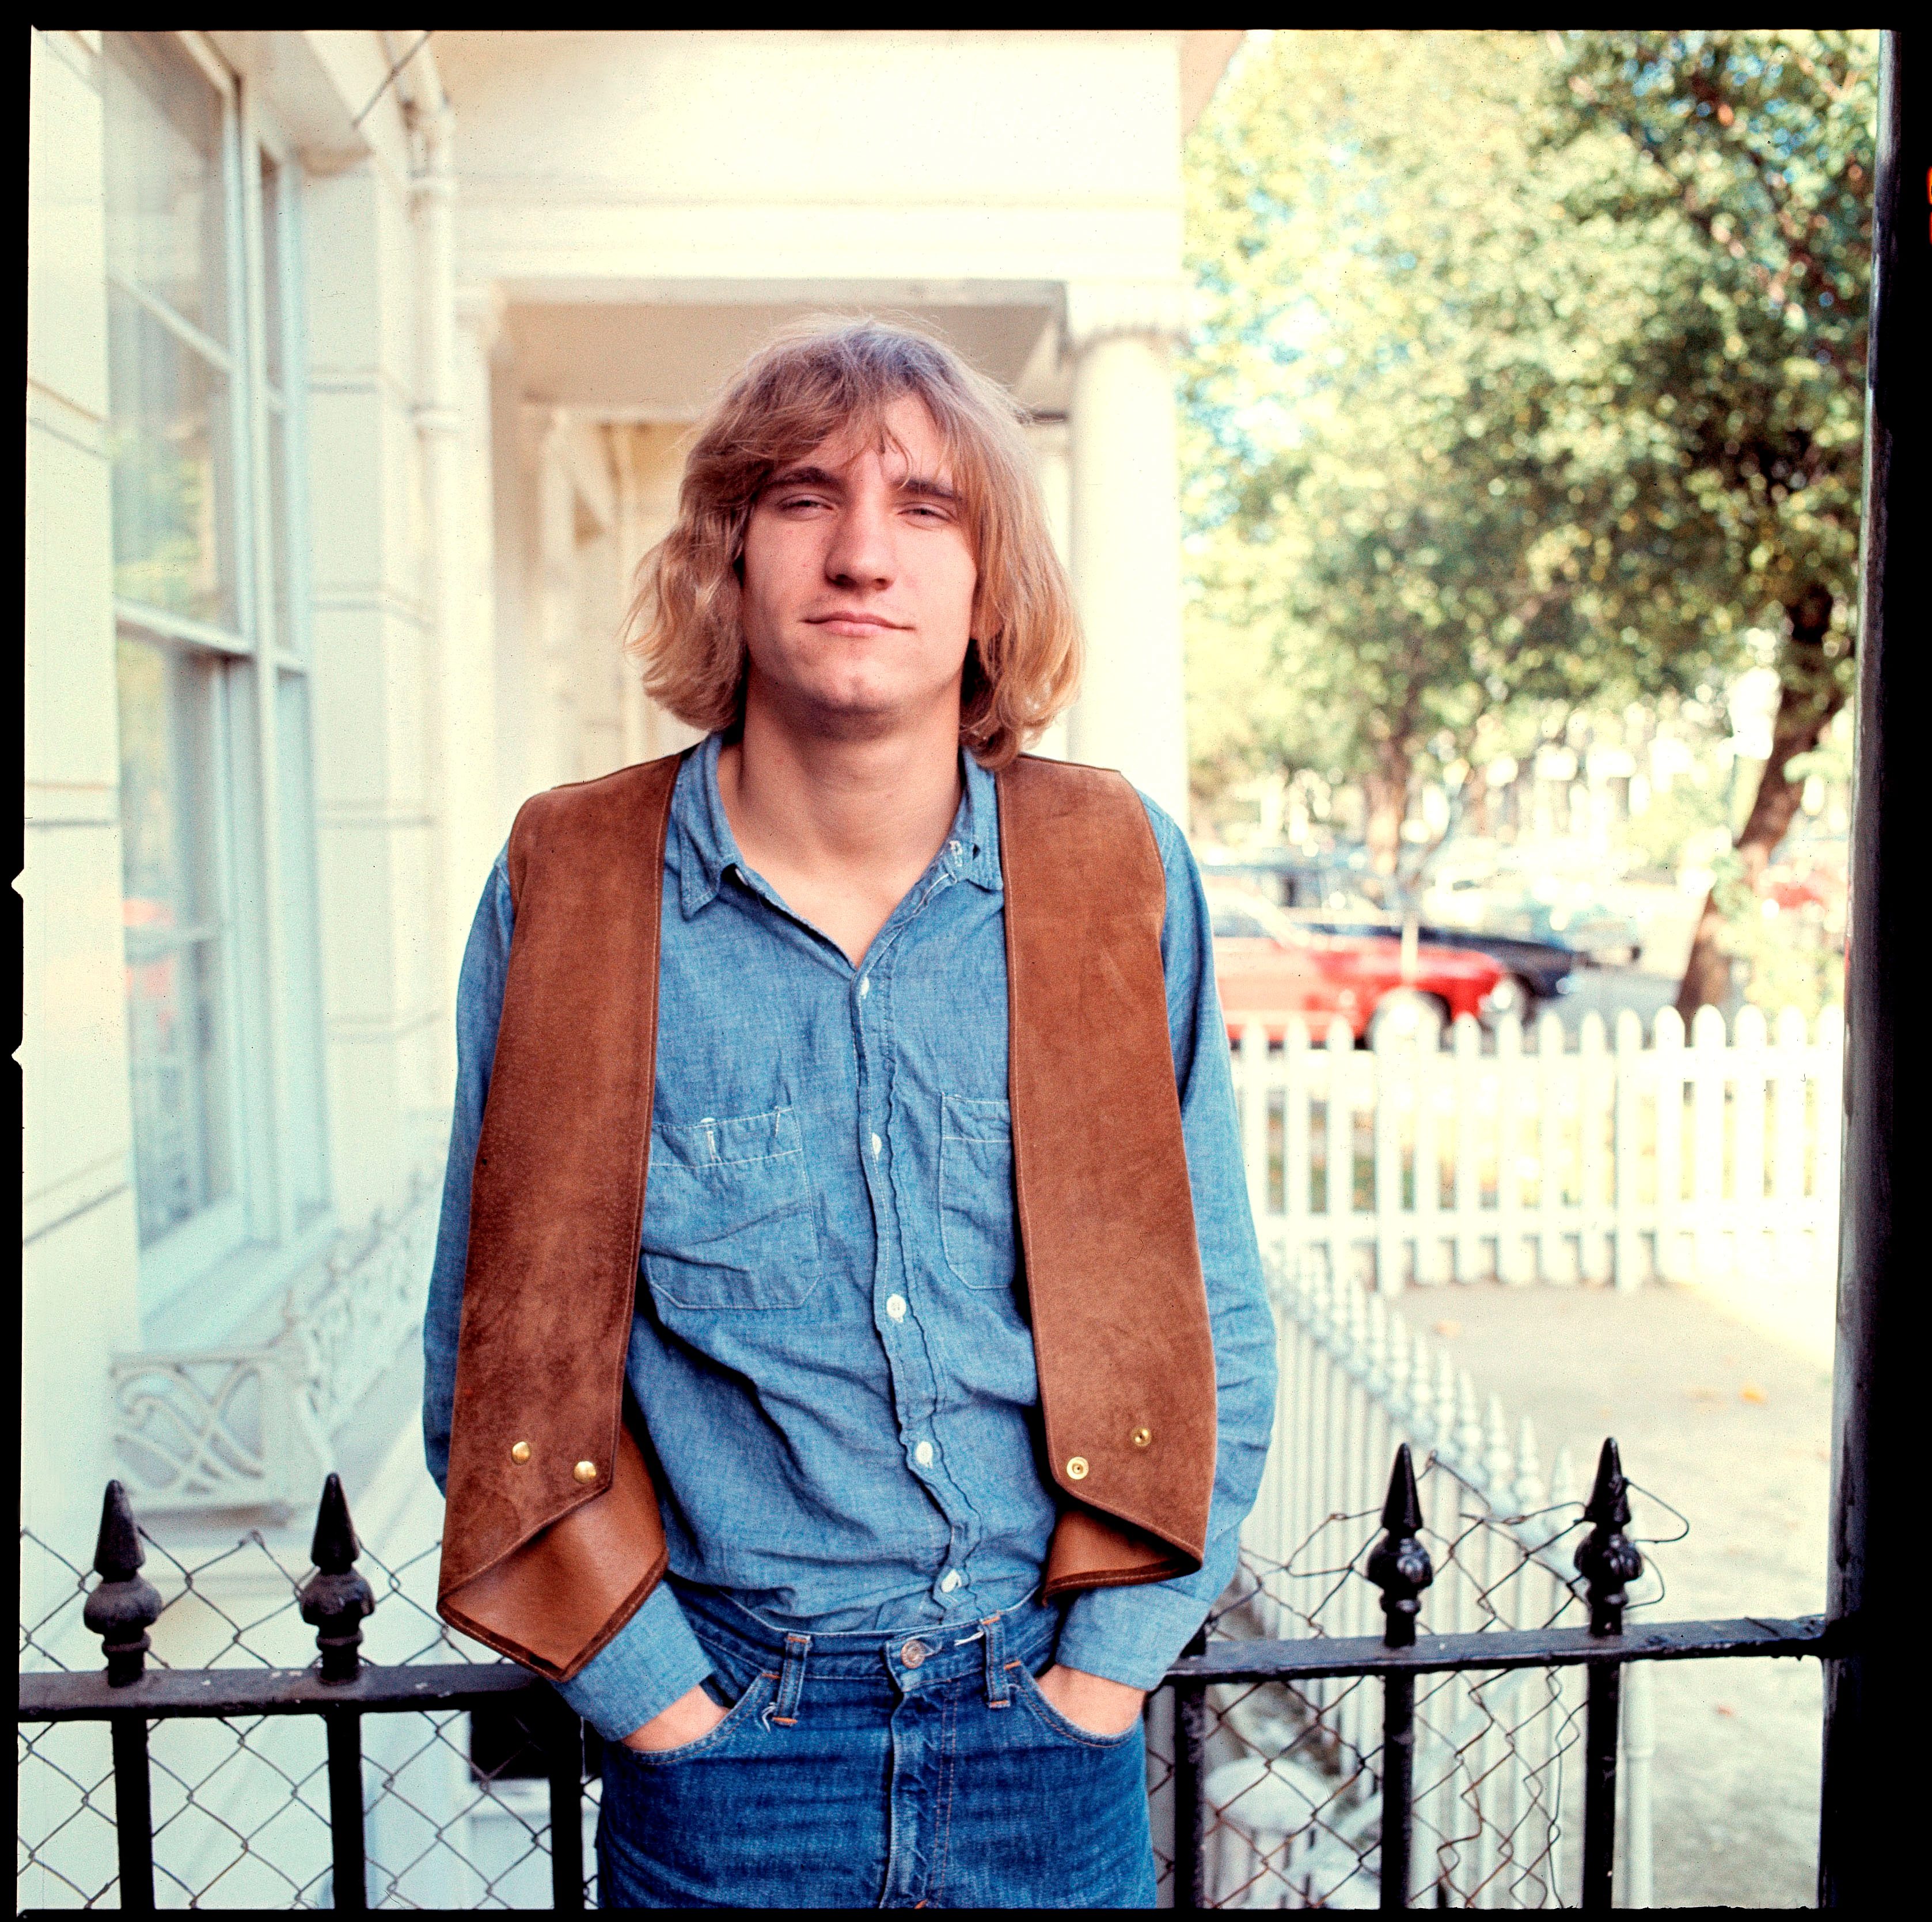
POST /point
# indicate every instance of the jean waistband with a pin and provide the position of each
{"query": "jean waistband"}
(936, 1651)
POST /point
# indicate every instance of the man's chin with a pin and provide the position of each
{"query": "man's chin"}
(850, 714)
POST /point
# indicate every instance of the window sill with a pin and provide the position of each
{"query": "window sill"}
(232, 1301)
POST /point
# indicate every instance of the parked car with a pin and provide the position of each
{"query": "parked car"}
(1534, 971)
(1595, 932)
(1271, 964)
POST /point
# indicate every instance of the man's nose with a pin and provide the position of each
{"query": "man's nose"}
(861, 552)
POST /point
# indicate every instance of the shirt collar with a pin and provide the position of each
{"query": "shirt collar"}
(709, 850)
(976, 830)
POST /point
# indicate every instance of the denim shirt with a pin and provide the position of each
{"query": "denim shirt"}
(828, 1351)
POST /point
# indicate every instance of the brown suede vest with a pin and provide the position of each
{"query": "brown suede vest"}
(552, 1536)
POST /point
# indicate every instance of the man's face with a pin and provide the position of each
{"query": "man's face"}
(859, 582)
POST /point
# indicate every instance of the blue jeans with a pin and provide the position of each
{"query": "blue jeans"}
(874, 1770)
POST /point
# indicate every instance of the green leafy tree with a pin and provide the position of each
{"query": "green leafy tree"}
(1741, 387)
(1403, 486)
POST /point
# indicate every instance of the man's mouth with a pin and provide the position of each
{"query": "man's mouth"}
(854, 621)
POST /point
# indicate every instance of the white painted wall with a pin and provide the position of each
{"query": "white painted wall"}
(78, 1267)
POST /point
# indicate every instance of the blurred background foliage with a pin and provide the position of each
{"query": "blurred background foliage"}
(1528, 376)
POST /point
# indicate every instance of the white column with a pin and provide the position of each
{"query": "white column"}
(1126, 534)
(472, 808)
(633, 712)
(1049, 440)
(554, 725)
(649, 463)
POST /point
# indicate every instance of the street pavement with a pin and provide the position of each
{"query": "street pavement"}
(1729, 1423)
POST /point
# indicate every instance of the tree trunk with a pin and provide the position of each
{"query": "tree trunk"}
(1387, 789)
(1810, 697)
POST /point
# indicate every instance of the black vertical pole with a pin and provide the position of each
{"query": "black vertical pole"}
(1399, 1566)
(1608, 1561)
(1398, 1789)
(564, 1753)
(334, 1601)
(1190, 1746)
(1867, 1831)
(133, 1825)
(345, 1807)
(121, 1610)
(1601, 1718)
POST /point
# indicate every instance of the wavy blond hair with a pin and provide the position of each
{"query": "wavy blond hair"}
(821, 379)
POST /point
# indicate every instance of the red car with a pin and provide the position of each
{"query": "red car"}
(1269, 967)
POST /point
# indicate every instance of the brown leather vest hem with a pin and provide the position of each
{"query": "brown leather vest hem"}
(1093, 1550)
(553, 1671)
(1057, 1586)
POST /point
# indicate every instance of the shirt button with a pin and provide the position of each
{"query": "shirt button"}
(877, 1144)
(895, 1307)
(922, 1455)
(951, 1582)
(914, 1652)
(864, 985)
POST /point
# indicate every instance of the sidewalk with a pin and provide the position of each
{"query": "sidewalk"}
(1730, 1423)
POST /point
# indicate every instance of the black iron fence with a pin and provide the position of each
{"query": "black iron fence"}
(1449, 1791)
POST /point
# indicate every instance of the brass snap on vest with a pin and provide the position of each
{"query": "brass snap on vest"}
(1141, 1437)
(520, 1452)
(1076, 1469)
(585, 1471)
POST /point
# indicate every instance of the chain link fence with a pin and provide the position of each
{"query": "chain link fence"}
(457, 1813)
(1291, 1773)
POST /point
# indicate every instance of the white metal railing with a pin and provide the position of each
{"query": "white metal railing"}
(1612, 1160)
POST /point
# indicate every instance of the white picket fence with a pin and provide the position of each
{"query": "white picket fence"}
(1612, 1160)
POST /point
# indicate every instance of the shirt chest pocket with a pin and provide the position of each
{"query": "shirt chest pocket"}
(976, 1191)
(730, 1220)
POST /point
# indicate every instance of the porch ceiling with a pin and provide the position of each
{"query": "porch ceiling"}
(664, 360)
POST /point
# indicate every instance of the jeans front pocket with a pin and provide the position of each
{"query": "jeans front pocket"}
(976, 1191)
(730, 1218)
(742, 1713)
(1057, 1724)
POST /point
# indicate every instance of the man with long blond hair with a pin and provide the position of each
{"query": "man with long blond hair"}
(848, 1360)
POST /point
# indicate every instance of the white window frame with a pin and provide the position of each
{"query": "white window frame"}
(247, 1243)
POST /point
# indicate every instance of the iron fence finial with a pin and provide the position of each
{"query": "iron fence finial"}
(1607, 1558)
(124, 1607)
(335, 1598)
(1399, 1565)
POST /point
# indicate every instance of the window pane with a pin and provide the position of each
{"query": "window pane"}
(274, 185)
(173, 511)
(178, 995)
(278, 207)
(305, 1157)
(166, 202)
(278, 528)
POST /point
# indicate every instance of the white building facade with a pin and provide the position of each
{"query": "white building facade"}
(359, 364)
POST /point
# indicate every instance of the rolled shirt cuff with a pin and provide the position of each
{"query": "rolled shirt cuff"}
(1128, 1635)
(651, 1661)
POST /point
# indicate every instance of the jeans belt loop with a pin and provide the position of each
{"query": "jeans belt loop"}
(999, 1681)
(791, 1682)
